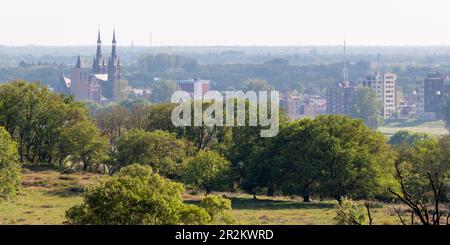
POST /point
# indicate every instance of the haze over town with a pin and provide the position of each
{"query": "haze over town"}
(233, 22)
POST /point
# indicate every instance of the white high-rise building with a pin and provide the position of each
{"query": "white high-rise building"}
(384, 84)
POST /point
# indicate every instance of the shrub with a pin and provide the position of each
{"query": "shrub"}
(136, 195)
(348, 213)
(9, 168)
(206, 170)
(216, 208)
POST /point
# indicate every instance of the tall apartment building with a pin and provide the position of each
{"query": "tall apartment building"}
(339, 99)
(419, 99)
(384, 84)
(291, 105)
(434, 90)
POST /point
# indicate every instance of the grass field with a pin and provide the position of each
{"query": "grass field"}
(47, 195)
(418, 126)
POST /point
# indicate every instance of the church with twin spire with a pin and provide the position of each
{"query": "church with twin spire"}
(100, 82)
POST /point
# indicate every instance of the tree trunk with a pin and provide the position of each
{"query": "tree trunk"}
(306, 197)
(270, 191)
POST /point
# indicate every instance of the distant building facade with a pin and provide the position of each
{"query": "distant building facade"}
(339, 99)
(384, 84)
(101, 82)
(431, 92)
(291, 105)
(313, 106)
(192, 85)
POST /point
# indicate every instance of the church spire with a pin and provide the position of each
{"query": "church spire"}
(98, 56)
(99, 40)
(79, 64)
(113, 51)
(114, 37)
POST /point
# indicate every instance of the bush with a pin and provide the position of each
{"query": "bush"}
(136, 196)
(9, 168)
(207, 170)
(348, 213)
(215, 205)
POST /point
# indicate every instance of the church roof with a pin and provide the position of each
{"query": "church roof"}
(102, 77)
(79, 64)
(66, 81)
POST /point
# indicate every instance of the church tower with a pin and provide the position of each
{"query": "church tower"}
(114, 62)
(114, 71)
(98, 66)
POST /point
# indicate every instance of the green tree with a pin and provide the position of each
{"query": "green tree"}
(35, 118)
(297, 157)
(159, 149)
(250, 167)
(162, 91)
(85, 145)
(446, 111)
(257, 85)
(367, 106)
(9, 167)
(356, 161)
(422, 172)
(217, 208)
(404, 137)
(206, 170)
(330, 156)
(135, 196)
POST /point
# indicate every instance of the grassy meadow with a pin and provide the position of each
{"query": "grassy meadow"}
(417, 126)
(46, 195)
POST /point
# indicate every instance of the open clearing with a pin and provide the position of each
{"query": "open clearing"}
(418, 126)
(47, 195)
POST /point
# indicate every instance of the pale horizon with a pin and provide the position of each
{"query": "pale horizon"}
(226, 23)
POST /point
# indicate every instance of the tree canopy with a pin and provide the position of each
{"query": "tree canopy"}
(9, 167)
(206, 170)
(367, 106)
(136, 195)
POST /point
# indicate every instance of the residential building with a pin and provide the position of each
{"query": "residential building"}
(384, 84)
(193, 85)
(434, 90)
(291, 105)
(313, 106)
(339, 99)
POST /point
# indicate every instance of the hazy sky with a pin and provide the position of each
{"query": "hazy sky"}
(226, 22)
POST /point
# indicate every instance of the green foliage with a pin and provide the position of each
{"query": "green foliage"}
(35, 118)
(348, 213)
(207, 170)
(357, 162)
(425, 161)
(404, 137)
(331, 156)
(162, 91)
(216, 208)
(257, 85)
(113, 121)
(135, 196)
(215, 205)
(367, 106)
(446, 111)
(83, 142)
(159, 149)
(9, 168)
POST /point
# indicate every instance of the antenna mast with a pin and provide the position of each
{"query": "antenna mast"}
(345, 69)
